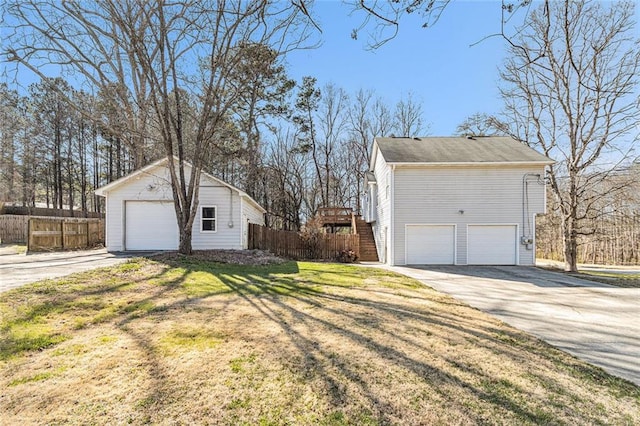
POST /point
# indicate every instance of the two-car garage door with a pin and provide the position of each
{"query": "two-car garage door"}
(436, 244)
(150, 225)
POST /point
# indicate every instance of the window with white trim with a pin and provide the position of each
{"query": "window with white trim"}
(208, 219)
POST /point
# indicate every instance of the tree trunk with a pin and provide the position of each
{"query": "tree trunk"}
(570, 246)
(185, 241)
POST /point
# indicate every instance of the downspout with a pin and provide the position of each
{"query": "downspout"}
(392, 228)
(230, 224)
(242, 224)
(526, 237)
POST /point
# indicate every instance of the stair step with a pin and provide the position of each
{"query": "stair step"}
(368, 252)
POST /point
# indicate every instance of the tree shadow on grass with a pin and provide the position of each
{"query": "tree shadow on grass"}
(65, 297)
(395, 325)
(278, 298)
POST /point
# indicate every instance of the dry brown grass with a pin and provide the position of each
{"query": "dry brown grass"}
(194, 342)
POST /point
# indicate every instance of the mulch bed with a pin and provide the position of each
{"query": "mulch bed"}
(235, 257)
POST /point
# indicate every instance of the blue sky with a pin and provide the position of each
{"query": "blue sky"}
(437, 65)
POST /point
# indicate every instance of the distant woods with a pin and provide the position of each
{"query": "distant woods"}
(53, 155)
(298, 148)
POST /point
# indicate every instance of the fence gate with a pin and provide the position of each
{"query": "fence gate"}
(13, 228)
(47, 234)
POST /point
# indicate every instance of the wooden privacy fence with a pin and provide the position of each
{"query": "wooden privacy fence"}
(13, 228)
(64, 233)
(296, 246)
(41, 211)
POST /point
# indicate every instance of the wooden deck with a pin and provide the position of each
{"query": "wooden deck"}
(332, 218)
(335, 216)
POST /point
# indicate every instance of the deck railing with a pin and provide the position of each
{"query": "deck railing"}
(335, 215)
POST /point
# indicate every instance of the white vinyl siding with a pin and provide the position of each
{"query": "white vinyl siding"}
(462, 196)
(151, 225)
(430, 244)
(153, 185)
(250, 214)
(382, 214)
(228, 215)
(492, 244)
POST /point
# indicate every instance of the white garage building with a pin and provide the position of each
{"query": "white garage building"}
(454, 200)
(140, 213)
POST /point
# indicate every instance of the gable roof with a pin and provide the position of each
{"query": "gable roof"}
(103, 190)
(458, 150)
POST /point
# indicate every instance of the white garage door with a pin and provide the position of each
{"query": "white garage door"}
(430, 244)
(491, 244)
(151, 225)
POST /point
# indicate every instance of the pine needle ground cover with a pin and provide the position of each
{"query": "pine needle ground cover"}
(180, 340)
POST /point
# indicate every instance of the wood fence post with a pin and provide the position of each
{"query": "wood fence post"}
(62, 233)
(28, 235)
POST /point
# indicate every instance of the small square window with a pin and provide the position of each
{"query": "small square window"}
(208, 219)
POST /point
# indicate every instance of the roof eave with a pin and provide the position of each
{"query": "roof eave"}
(374, 154)
(102, 191)
(473, 163)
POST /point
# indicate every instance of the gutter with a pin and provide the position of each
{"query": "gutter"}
(471, 163)
(392, 216)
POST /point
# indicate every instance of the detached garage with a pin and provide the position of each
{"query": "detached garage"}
(140, 214)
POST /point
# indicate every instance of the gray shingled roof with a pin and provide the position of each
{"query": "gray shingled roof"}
(494, 149)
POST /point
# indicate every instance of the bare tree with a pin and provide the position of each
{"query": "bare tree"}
(155, 55)
(408, 118)
(287, 181)
(360, 137)
(368, 117)
(480, 124)
(382, 120)
(381, 18)
(569, 92)
(613, 224)
(332, 129)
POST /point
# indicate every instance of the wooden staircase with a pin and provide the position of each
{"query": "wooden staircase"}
(368, 252)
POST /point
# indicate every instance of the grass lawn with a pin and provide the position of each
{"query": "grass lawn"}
(608, 274)
(185, 341)
(612, 278)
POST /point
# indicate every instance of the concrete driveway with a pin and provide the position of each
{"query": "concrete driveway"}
(596, 322)
(20, 269)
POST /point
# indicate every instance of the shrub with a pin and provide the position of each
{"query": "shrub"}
(347, 256)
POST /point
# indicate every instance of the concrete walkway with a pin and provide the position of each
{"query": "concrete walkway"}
(596, 322)
(20, 269)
